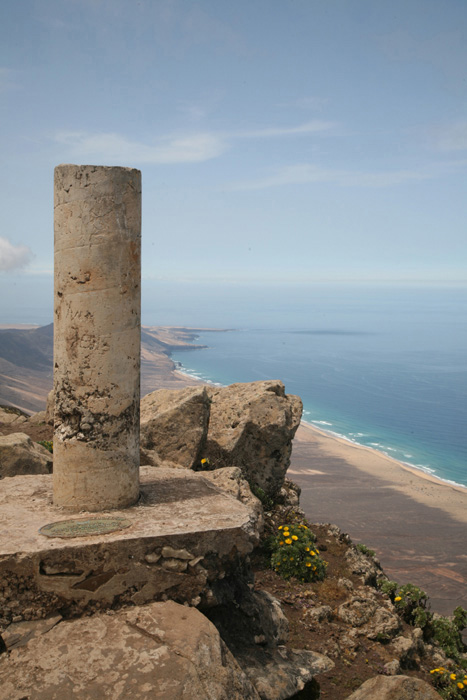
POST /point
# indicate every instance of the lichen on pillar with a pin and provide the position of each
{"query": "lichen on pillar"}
(97, 332)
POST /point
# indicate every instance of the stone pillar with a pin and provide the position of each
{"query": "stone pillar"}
(97, 331)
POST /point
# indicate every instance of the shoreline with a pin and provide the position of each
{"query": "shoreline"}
(410, 481)
(414, 522)
(351, 445)
(415, 471)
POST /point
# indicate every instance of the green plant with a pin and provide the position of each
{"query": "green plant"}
(451, 685)
(266, 500)
(460, 618)
(48, 444)
(411, 603)
(294, 554)
(448, 633)
(365, 550)
(388, 587)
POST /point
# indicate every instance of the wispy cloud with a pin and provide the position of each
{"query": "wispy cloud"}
(306, 173)
(187, 148)
(113, 148)
(312, 127)
(13, 257)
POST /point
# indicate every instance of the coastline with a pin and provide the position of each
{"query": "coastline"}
(414, 522)
(379, 462)
(348, 446)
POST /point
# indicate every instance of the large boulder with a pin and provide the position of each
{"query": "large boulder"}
(20, 455)
(174, 424)
(10, 415)
(162, 651)
(394, 688)
(252, 426)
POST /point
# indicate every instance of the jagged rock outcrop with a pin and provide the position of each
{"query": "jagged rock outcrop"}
(256, 635)
(20, 455)
(162, 651)
(409, 649)
(368, 568)
(252, 426)
(394, 688)
(174, 424)
(369, 616)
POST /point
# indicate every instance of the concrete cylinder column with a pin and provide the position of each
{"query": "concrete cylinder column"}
(97, 331)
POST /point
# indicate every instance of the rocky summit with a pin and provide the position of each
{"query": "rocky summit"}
(183, 602)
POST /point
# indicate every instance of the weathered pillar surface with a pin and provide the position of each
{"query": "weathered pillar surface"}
(97, 319)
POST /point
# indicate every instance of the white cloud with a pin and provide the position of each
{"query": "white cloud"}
(13, 257)
(189, 148)
(113, 148)
(306, 173)
(308, 128)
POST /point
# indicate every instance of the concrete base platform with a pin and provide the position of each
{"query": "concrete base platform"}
(185, 533)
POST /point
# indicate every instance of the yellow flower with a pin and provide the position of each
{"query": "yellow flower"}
(280, 544)
(460, 686)
(204, 460)
(452, 676)
(280, 527)
(313, 554)
(294, 537)
(288, 541)
(291, 558)
(307, 549)
(434, 670)
(397, 599)
(308, 563)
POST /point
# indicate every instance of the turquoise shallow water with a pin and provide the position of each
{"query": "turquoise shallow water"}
(388, 371)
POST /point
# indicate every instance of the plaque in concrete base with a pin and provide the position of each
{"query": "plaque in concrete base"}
(84, 527)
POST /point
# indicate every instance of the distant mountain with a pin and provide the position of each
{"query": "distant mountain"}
(32, 348)
(26, 363)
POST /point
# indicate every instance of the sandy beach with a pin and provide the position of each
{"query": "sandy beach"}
(416, 523)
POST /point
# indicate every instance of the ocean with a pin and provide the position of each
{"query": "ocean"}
(384, 367)
(381, 367)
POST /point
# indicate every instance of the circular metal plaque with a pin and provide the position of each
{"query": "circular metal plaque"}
(84, 527)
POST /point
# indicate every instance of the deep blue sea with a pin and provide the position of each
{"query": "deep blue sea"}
(385, 368)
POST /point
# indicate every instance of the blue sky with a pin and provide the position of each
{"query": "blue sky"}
(280, 141)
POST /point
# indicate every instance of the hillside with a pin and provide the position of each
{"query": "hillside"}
(26, 363)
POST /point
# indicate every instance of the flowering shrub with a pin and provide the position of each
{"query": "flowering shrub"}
(294, 554)
(411, 603)
(451, 685)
